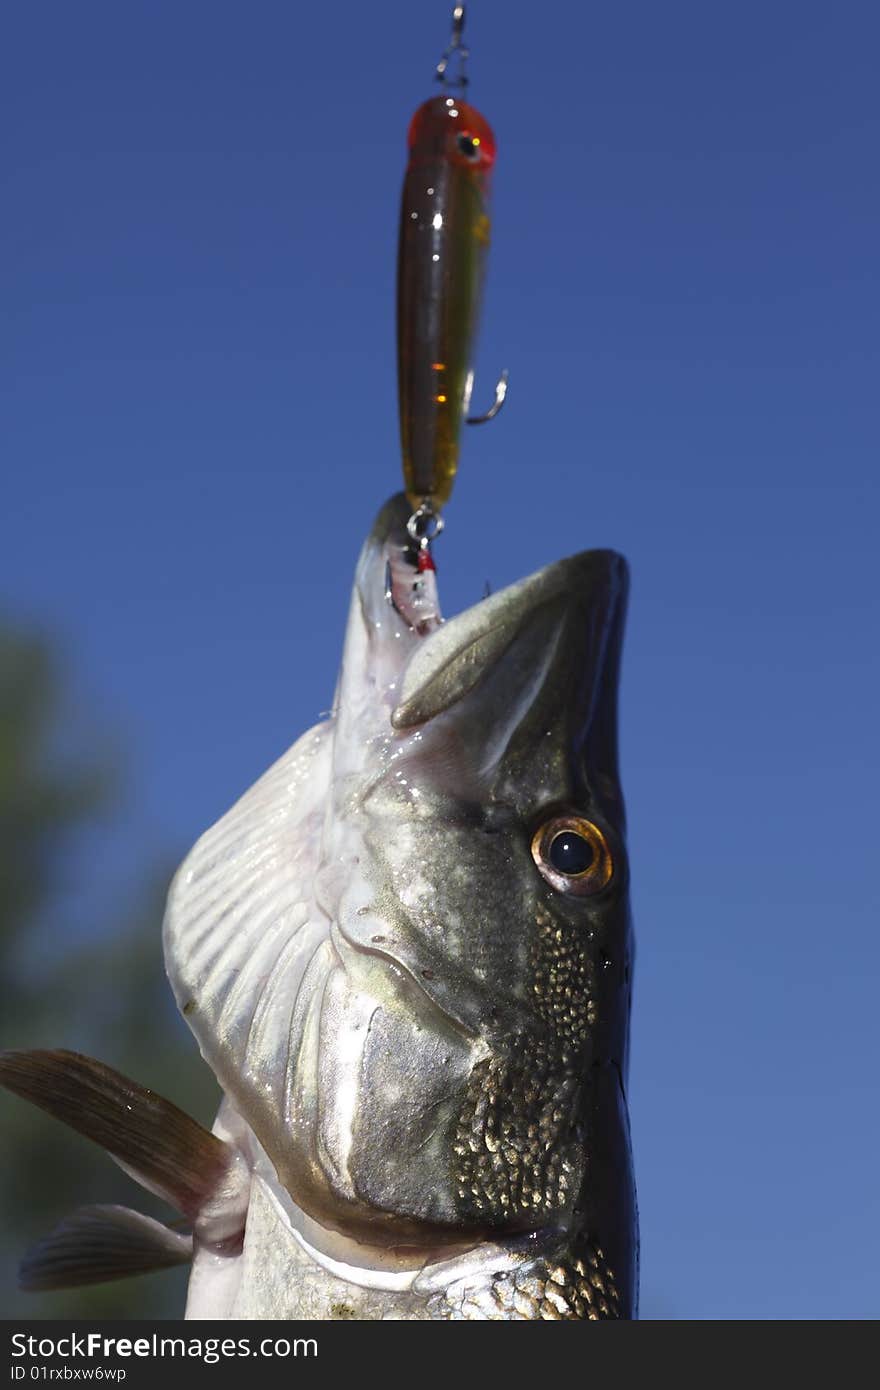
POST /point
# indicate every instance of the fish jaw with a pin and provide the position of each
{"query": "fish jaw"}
(410, 1019)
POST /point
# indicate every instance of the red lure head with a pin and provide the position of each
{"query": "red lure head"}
(446, 128)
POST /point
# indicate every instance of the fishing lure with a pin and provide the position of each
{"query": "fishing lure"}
(441, 265)
(444, 240)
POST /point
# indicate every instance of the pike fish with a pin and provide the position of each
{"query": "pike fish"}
(406, 955)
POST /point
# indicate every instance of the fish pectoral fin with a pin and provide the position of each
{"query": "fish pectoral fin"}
(97, 1244)
(160, 1146)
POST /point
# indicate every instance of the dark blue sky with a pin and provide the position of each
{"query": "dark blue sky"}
(199, 420)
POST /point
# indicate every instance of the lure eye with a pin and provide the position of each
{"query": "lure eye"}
(469, 146)
(573, 855)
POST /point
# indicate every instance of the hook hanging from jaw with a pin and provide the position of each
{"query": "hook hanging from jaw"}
(456, 49)
(500, 398)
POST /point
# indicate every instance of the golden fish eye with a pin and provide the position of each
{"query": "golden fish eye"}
(573, 855)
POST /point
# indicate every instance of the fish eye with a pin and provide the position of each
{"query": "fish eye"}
(573, 855)
(469, 146)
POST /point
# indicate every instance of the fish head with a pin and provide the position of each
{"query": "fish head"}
(406, 952)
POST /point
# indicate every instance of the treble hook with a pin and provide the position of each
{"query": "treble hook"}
(500, 398)
(456, 48)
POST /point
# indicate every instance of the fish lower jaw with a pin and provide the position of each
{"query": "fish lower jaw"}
(421, 1271)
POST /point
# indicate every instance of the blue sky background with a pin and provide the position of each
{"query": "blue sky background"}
(199, 420)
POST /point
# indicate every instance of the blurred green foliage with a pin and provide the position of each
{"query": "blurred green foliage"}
(102, 992)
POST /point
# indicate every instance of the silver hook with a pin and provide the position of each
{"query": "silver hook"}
(500, 398)
(456, 49)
